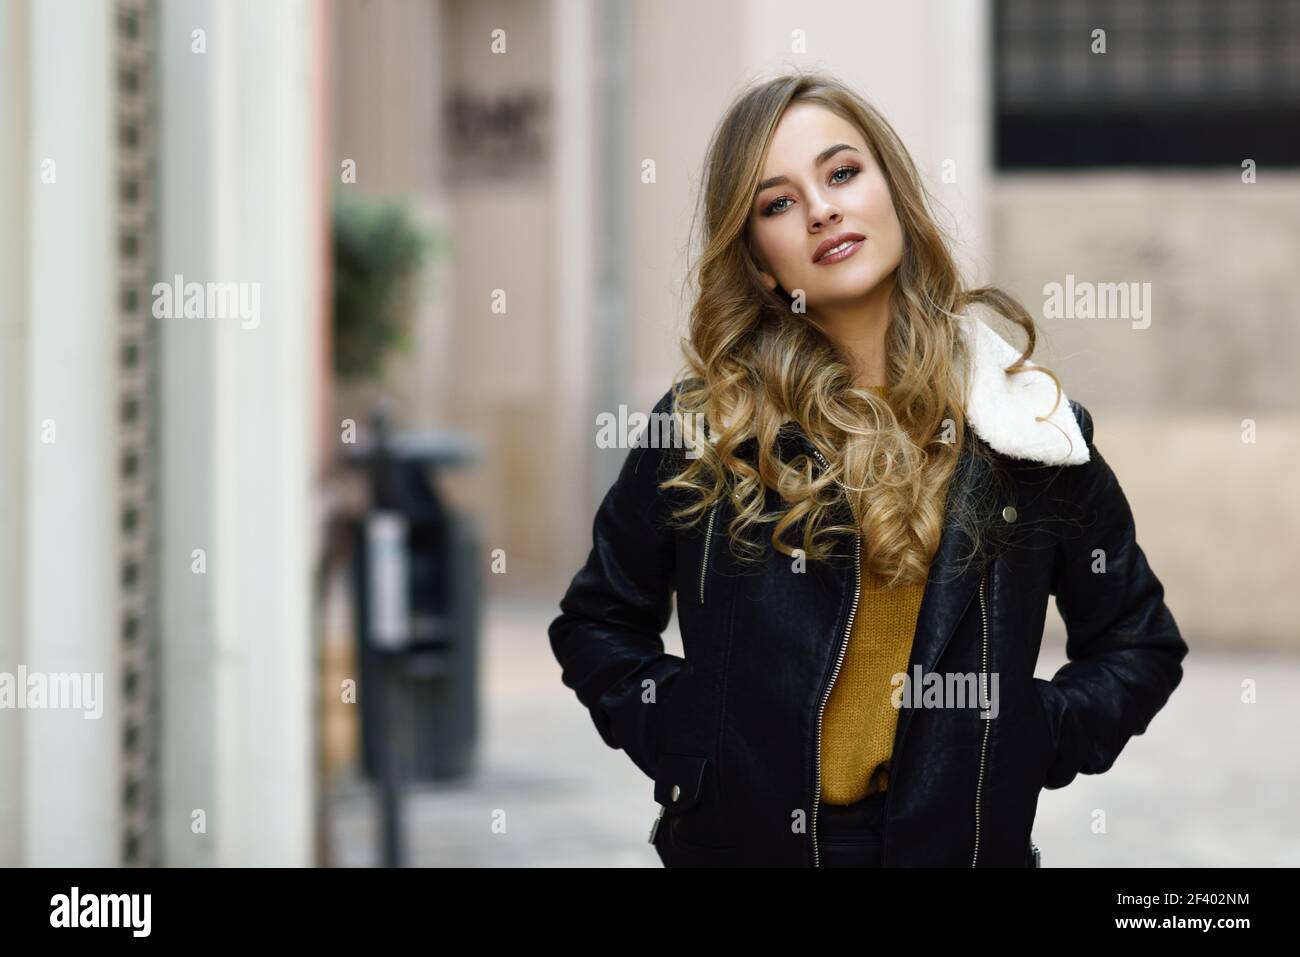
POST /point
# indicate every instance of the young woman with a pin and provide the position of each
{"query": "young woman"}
(863, 538)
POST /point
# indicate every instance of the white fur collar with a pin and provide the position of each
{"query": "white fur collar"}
(1002, 409)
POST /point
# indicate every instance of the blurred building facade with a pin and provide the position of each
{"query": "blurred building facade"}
(1169, 161)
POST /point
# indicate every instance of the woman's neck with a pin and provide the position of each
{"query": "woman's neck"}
(860, 330)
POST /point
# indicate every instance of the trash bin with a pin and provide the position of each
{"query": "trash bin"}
(417, 587)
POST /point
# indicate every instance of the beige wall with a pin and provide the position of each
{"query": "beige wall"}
(1216, 515)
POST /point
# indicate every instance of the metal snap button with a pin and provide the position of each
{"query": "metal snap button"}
(677, 792)
(1009, 513)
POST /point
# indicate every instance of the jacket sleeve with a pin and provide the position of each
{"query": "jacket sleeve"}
(1125, 651)
(608, 636)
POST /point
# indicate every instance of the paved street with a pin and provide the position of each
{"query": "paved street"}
(1212, 783)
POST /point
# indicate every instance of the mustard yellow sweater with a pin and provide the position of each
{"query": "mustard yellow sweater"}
(859, 721)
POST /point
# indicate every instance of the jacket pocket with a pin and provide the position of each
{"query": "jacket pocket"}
(687, 715)
(681, 780)
(687, 791)
(1049, 746)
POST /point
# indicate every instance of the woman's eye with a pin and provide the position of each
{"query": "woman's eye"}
(772, 207)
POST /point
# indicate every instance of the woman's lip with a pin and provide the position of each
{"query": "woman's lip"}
(842, 254)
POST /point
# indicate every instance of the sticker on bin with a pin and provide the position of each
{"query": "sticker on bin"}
(390, 612)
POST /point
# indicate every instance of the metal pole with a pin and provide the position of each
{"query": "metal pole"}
(390, 772)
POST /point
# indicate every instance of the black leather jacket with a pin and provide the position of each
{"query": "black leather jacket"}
(730, 734)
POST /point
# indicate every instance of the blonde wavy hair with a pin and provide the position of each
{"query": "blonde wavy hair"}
(752, 363)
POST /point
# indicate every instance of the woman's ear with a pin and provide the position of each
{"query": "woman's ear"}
(766, 277)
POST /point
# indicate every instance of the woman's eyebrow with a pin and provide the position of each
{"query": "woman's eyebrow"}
(822, 157)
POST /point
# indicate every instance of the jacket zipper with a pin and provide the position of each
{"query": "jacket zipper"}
(984, 744)
(839, 660)
(708, 537)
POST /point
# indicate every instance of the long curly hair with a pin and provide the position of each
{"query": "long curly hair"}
(752, 363)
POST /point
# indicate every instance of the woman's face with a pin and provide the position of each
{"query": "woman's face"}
(810, 193)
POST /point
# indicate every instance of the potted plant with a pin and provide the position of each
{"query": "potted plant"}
(378, 255)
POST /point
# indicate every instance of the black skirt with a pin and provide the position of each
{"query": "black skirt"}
(850, 835)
